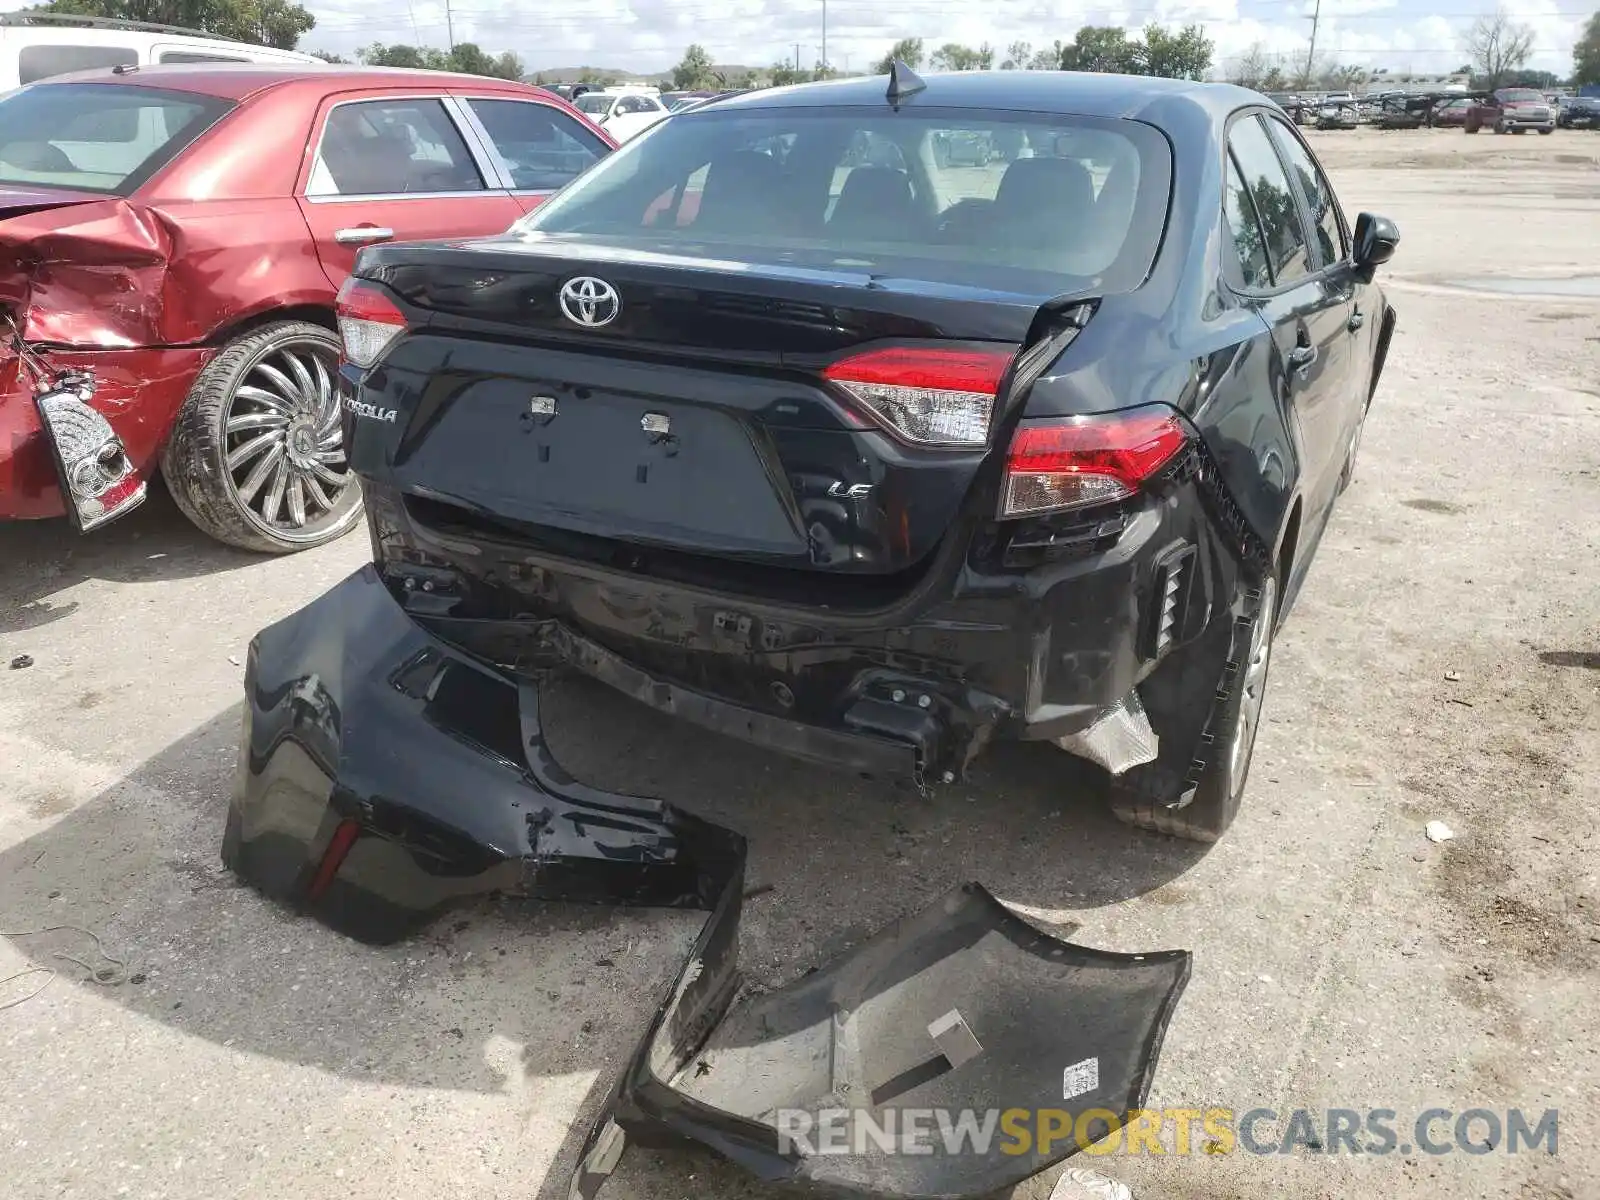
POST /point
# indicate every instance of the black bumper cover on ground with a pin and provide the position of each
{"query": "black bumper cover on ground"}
(384, 776)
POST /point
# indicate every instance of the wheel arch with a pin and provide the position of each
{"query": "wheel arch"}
(310, 311)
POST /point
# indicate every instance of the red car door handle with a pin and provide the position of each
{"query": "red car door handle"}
(361, 234)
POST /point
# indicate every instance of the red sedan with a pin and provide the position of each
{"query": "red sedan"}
(171, 243)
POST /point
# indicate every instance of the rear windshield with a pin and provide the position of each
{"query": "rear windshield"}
(1013, 201)
(97, 137)
(593, 103)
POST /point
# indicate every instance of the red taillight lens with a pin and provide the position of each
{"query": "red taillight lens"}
(1074, 461)
(368, 321)
(929, 396)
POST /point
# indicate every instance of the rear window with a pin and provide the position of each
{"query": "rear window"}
(593, 103)
(41, 62)
(1013, 201)
(95, 137)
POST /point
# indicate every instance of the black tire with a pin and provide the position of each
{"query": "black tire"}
(1236, 719)
(1546, 132)
(195, 461)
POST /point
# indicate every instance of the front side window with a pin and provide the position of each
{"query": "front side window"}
(391, 148)
(1279, 214)
(41, 62)
(542, 147)
(1319, 195)
(1004, 200)
(97, 137)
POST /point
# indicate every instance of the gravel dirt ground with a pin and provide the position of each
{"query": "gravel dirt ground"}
(1444, 663)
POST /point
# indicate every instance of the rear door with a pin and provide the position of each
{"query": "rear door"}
(397, 167)
(537, 147)
(1307, 306)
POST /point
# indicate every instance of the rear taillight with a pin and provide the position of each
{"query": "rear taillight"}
(368, 321)
(929, 396)
(1074, 461)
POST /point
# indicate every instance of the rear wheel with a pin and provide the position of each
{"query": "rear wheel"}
(1545, 132)
(256, 459)
(1236, 721)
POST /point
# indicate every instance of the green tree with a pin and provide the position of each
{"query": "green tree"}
(399, 55)
(695, 72)
(1586, 54)
(783, 74)
(279, 23)
(328, 56)
(1185, 54)
(1018, 56)
(952, 56)
(1104, 48)
(1050, 58)
(747, 80)
(907, 50)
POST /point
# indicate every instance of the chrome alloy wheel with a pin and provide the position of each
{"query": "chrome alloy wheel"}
(1253, 681)
(285, 458)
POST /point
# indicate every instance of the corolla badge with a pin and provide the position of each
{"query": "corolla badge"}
(589, 301)
(371, 412)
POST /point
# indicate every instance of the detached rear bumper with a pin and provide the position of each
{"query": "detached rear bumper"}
(383, 776)
(139, 393)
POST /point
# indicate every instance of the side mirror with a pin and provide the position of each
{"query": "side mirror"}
(1376, 239)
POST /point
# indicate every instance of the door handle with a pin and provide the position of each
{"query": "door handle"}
(1301, 358)
(361, 234)
(1356, 321)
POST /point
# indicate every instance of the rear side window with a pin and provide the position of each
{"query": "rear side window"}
(542, 147)
(1319, 195)
(1003, 200)
(191, 56)
(392, 148)
(1243, 223)
(1274, 200)
(97, 137)
(41, 62)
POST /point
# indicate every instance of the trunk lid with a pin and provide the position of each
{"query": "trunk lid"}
(693, 419)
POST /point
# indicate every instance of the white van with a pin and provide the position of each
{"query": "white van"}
(39, 46)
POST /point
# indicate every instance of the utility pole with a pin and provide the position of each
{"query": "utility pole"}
(450, 25)
(824, 37)
(1311, 54)
(797, 57)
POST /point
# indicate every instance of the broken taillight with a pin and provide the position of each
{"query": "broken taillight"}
(368, 321)
(929, 396)
(1074, 461)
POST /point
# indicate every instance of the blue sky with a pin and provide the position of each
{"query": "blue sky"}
(649, 35)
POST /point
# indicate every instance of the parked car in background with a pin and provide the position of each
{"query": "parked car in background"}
(1338, 114)
(1578, 112)
(37, 46)
(622, 114)
(1452, 113)
(876, 463)
(178, 234)
(1512, 110)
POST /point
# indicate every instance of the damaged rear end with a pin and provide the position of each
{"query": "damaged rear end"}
(867, 483)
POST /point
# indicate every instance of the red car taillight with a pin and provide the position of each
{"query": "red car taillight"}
(368, 321)
(929, 396)
(1073, 461)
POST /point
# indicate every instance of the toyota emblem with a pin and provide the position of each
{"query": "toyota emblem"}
(589, 301)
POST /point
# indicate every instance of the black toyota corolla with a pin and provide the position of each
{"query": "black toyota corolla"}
(785, 421)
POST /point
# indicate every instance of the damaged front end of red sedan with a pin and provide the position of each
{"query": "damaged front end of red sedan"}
(88, 294)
